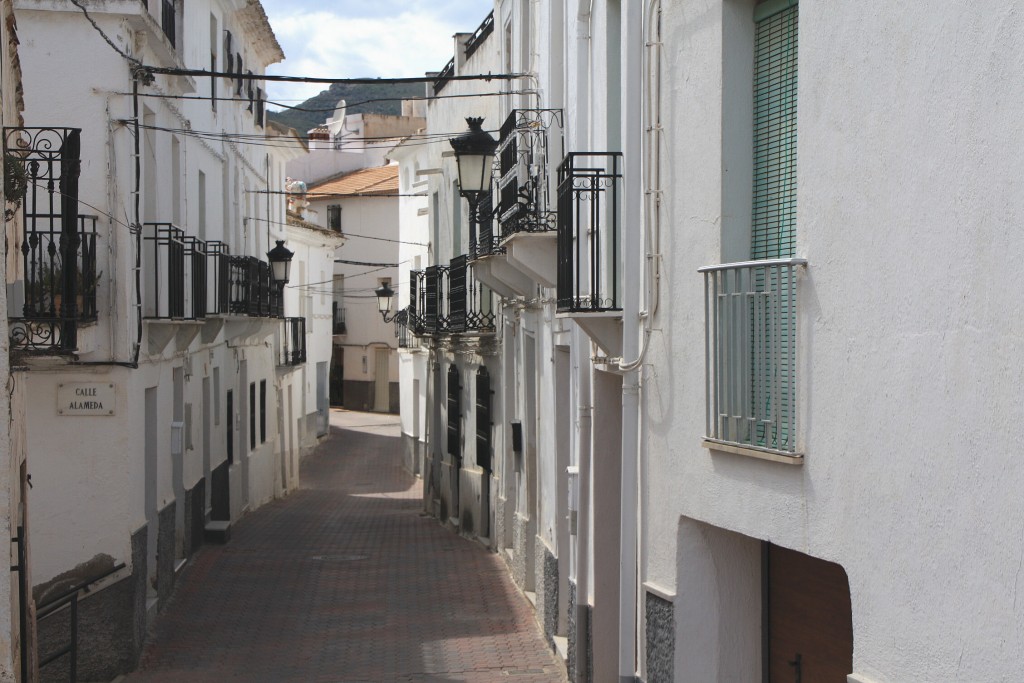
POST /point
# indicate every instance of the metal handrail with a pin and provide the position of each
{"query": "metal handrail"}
(754, 264)
(52, 606)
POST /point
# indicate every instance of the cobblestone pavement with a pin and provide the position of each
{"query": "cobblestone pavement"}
(345, 582)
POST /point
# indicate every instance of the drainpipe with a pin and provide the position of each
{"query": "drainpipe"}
(633, 245)
(581, 344)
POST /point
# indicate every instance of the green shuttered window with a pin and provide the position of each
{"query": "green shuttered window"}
(775, 81)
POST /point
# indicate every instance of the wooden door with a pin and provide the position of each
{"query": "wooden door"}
(810, 624)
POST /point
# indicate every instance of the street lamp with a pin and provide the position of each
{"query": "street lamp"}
(384, 294)
(280, 258)
(474, 154)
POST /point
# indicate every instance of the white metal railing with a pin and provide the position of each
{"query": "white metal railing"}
(750, 353)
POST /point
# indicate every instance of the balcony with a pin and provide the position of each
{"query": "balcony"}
(56, 279)
(588, 232)
(516, 249)
(291, 342)
(175, 267)
(338, 319)
(404, 330)
(447, 300)
(251, 290)
(750, 356)
(587, 277)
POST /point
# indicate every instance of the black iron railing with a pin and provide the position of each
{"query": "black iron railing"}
(218, 283)
(338, 319)
(588, 232)
(485, 29)
(293, 342)
(488, 240)
(55, 289)
(404, 327)
(529, 139)
(168, 18)
(164, 258)
(251, 288)
(470, 304)
(445, 76)
(196, 305)
(55, 605)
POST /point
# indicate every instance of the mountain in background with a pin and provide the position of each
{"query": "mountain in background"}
(355, 95)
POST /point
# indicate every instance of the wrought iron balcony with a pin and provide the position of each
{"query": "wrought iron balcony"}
(251, 288)
(218, 283)
(167, 255)
(588, 232)
(750, 353)
(54, 286)
(338, 318)
(449, 300)
(292, 342)
(404, 330)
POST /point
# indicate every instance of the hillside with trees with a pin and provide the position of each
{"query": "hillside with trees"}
(362, 99)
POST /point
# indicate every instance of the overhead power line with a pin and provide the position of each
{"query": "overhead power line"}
(172, 71)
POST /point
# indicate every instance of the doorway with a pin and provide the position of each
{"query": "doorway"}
(808, 621)
(381, 383)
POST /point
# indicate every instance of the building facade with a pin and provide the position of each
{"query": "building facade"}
(165, 371)
(713, 458)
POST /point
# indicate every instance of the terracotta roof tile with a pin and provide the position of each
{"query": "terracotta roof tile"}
(377, 180)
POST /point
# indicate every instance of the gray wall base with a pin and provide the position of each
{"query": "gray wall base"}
(661, 639)
(111, 626)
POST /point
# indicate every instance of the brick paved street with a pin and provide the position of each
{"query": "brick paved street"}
(345, 582)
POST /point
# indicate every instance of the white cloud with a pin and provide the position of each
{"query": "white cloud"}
(324, 44)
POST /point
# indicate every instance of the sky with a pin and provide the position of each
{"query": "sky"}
(360, 38)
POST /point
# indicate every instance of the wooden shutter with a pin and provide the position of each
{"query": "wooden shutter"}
(483, 419)
(454, 412)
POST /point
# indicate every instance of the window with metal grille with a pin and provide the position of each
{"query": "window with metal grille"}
(334, 217)
(454, 412)
(483, 419)
(775, 90)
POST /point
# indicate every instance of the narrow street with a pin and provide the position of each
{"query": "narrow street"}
(345, 582)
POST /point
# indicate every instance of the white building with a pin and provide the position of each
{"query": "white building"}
(362, 205)
(734, 420)
(174, 397)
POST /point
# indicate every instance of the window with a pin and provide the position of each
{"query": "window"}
(252, 415)
(202, 206)
(249, 90)
(231, 426)
(239, 81)
(216, 396)
(263, 411)
(456, 219)
(213, 61)
(750, 326)
(334, 217)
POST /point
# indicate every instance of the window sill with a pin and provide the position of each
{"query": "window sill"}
(783, 457)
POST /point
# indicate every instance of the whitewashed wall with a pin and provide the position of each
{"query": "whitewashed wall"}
(906, 215)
